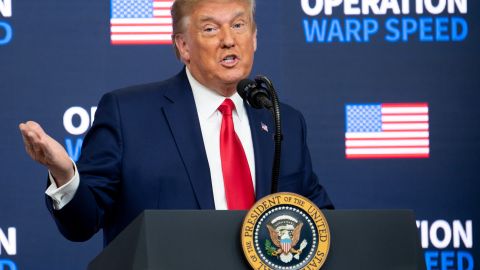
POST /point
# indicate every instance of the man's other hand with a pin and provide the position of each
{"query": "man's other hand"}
(47, 151)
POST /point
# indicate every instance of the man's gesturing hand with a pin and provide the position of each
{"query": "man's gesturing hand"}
(47, 151)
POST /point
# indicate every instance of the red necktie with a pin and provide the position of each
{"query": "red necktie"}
(236, 173)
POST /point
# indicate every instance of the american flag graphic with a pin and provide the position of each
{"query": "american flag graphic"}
(286, 245)
(387, 130)
(141, 22)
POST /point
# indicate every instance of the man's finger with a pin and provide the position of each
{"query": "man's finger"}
(28, 145)
(34, 126)
(33, 142)
(27, 140)
(28, 132)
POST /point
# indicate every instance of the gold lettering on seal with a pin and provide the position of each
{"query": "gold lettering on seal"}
(268, 205)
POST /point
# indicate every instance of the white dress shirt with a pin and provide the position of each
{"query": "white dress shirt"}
(207, 102)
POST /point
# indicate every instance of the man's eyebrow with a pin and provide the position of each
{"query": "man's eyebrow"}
(206, 18)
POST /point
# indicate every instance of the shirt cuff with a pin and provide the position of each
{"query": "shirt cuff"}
(64, 194)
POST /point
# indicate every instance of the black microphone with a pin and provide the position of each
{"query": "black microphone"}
(255, 94)
(261, 94)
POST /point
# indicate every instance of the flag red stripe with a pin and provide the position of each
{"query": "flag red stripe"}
(395, 105)
(388, 147)
(409, 122)
(385, 139)
(405, 130)
(141, 24)
(370, 156)
(405, 113)
(144, 42)
(141, 33)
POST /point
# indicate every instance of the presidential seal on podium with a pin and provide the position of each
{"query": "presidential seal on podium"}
(285, 231)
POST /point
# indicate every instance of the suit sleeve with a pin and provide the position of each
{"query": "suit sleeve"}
(99, 167)
(312, 188)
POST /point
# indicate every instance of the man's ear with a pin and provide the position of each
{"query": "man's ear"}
(182, 47)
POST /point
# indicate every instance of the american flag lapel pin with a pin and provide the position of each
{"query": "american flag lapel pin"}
(264, 127)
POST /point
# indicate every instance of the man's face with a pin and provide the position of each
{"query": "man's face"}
(218, 44)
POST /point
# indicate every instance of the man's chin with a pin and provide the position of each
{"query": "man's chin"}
(234, 77)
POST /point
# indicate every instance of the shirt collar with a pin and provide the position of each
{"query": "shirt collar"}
(207, 101)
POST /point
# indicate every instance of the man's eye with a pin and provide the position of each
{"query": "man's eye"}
(209, 29)
(238, 25)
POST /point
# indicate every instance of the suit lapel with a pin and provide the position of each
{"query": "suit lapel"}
(262, 128)
(182, 118)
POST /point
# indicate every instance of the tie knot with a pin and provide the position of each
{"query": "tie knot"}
(227, 107)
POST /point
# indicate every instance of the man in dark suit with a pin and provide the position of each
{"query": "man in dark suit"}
(189, 142)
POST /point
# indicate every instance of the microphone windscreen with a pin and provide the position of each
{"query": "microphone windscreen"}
(243, 87)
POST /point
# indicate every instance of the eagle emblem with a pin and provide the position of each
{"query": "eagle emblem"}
(276, 229)
(285, 234)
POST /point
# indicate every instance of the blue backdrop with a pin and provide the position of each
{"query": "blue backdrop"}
(321, 55)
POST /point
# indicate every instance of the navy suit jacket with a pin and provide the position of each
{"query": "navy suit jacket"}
(145, 151)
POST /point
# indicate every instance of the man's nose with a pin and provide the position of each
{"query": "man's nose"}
(228, 38)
